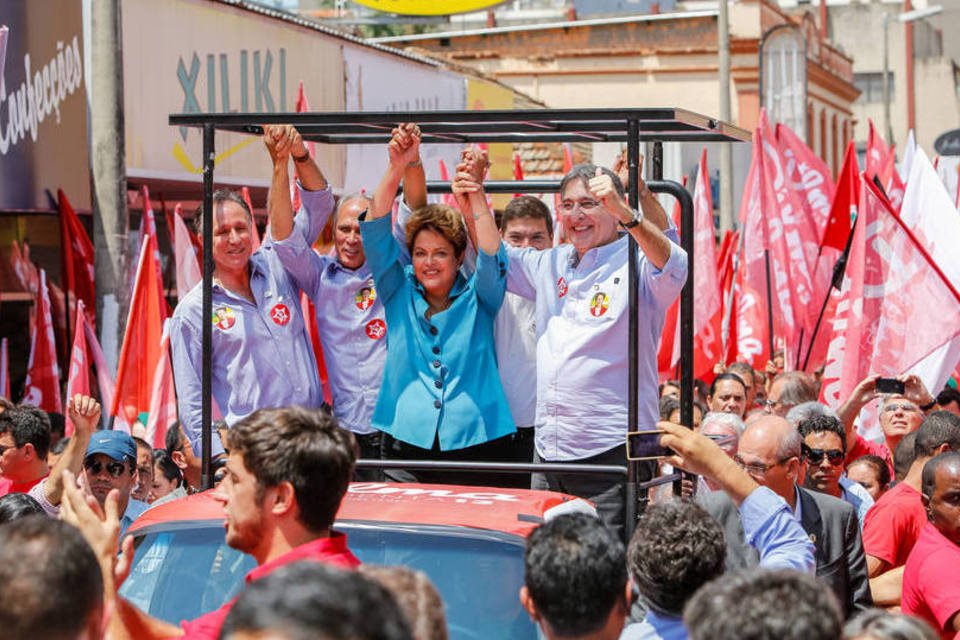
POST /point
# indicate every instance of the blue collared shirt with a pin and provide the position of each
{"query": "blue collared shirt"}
(582, 320)
(770, 527)
(440, 380)
(134, 509)
(656, 626)
(350, 317)
(855, 494)
(262, 356)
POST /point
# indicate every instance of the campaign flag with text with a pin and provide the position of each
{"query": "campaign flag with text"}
(78, 373)
(884, 324)
(148, 233)
(141, 344)
(163, 396)
(42, 386)
(188, 268)
(77, 260)
(881, 162)
(104, 373)
(708, 310)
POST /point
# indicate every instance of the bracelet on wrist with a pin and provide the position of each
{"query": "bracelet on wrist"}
(301, 159)
(414, 165)
(928, 406)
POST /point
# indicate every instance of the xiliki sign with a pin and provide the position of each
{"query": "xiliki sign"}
(262, 75)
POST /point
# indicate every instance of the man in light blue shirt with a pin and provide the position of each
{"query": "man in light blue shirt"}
(581, 292)
(262, 355)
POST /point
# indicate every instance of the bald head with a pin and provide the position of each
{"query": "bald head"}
(773, 432)
(770, 452)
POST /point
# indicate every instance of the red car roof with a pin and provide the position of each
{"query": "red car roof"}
(513, 511)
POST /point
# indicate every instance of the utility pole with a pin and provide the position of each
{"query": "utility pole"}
(109, 182)
(726, 150)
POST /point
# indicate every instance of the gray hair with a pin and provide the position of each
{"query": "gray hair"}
(731, 420)
(796, 387)
(344, 199)
(806, 410)
(883, 625)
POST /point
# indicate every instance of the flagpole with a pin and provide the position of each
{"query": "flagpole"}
(206, 368)
(766, 260)
(839, 269)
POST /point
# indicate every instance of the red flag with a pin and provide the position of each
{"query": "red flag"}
(301, 106)
(163, 397)
(517, 171)
(707, 312)
(811, 180)
(668, 354)
(4, 369)
(77, 260)
(309, 311)
(148, 232)
(844, 205)
(78, 374)
(141, 343)
(884, 325)
(881, 163)
(42, 387)
(104, 376)
(188, 268)
(254, 233)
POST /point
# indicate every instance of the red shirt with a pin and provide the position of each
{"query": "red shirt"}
(931, 590)
(893, 525)
(332, 551)
(865, 447)
(9, 486)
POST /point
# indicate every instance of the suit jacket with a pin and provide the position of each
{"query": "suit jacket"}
(833, 528)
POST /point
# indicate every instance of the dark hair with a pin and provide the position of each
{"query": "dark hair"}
(419, 601)
(27, 424)
(938, 428)
(59, 447)
(51, 580)
(526, 207)
(676, 548)
(168, 468)
(879, 465)
(173, 441)
(797, 387)
(304, 447)
(741, 369)
(878, 624)
(221, 196)
(903, 455)
(929, 476)
(823, 424)
(667, 383)
(442, 220)
(58, 424)
(5, 404)
(585, 173)
(948, 395)
(575, 573)
(761, 604)
(726, 376)
(312, 600)
(142, 444)
(14, 506)
(668, 404)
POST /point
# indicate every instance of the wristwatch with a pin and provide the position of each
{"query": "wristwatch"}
(301, 159)
(637, 219)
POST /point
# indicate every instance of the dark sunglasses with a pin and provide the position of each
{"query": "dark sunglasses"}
(815, 456)
(115, 469)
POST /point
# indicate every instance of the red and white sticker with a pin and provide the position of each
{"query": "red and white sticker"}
(280, 314)
(561, 287)
(376, 329)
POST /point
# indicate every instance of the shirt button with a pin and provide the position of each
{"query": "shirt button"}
(433, 331)
(437, 404)
(436, 364)
(436, 350)
(438, 384)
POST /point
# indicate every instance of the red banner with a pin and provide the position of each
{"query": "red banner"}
(707, 312)
(881, 163)
(42, 387)
(78, 374)
(77, 260)
(163, 398)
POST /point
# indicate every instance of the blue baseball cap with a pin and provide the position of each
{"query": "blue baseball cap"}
(115, 444)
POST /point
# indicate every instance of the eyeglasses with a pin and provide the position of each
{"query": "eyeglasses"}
(115, 469)
(757, 468)
(815, 456)
(893, 407)
(586, 206)
(770, 405)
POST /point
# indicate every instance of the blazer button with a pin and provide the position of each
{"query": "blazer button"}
(438, 384)
(433, 331)
(436, 350)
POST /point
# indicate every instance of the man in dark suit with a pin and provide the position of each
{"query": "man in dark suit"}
(770, 452)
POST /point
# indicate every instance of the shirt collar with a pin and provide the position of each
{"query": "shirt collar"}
(798, 510)
(335, 544)
(599, 254)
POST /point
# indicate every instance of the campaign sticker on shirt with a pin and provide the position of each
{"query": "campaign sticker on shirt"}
(599, 304)
(280, 314)
(365, 297)
(376, 329)
(224, 318)
(561, 287)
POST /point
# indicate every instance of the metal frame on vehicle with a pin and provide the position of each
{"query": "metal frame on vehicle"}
(631, 126)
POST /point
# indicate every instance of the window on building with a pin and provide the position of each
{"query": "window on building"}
(871, 87)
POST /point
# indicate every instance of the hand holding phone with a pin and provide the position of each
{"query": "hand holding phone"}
(890, 385)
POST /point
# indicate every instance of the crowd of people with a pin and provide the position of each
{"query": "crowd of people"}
(450, 336)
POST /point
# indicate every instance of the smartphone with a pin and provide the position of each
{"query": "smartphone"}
(890, 385)
(645, 445)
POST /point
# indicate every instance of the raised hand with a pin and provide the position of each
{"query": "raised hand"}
(279, 140)
(404, 145)
(84, 413)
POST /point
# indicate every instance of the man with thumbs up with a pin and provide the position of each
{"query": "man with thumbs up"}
(582, 299)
